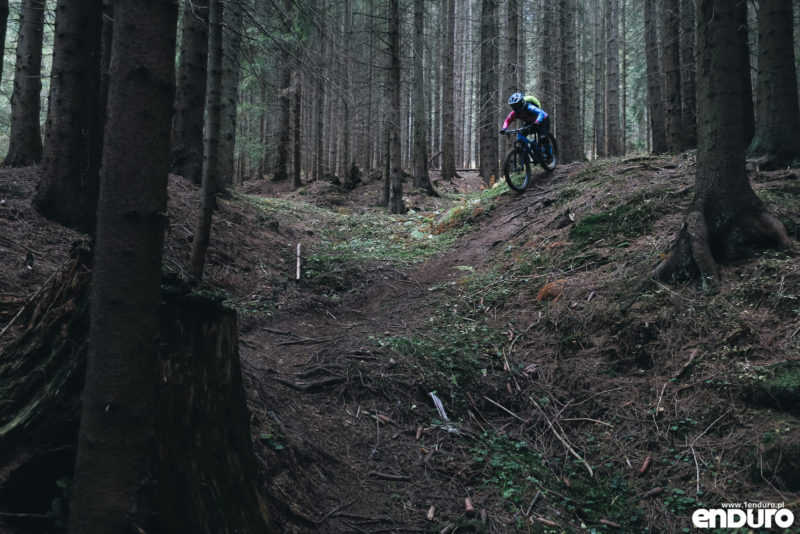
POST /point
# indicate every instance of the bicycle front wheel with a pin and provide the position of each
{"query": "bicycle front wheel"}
(517, 169)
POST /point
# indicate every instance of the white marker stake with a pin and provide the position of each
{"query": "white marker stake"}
(298, 261)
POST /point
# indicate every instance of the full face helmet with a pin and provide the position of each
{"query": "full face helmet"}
(516, 101)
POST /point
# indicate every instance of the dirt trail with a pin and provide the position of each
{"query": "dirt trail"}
(355, 464)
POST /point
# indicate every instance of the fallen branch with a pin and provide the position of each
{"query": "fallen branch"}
(335, 510)
(388, 476)
(547, 522)
(589, 420)
(652, 493)
(509, 412)
(562, 440)
(300, 341)
(311, 386)
(533, 501)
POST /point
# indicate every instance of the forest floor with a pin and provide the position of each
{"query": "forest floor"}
(577, 394)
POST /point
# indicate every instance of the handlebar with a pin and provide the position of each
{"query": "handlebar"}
(525, 130)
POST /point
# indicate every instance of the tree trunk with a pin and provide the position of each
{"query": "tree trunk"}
(688, 84)
(624, 106)
(284, 121)
(213, 105)
(549, 65)
(672, 75)
(190, 96)
(3, 27)
(725, 218)
(345, 154)
(448, 96)
(320, 113)
(655, 99)
(67, 192)
(231, 48)
(571, 129)
(599, 83)
(488, 93)
(25, 141)
(512, 61)
(421, 177)
(511, 70)
(395, 119)
(297, 100)
(612, 80)
(777, 137)
(111, 492)
(203, 466)
(743, 45)
(386, 146)
(105, 60)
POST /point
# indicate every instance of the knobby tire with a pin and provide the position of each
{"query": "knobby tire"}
(550, 163)
(517, 169)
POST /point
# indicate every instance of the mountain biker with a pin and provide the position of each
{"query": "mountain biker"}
(531, 115)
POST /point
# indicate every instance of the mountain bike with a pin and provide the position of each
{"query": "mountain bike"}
(517, 165)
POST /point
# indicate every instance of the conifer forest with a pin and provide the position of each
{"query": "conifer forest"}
(390, 266)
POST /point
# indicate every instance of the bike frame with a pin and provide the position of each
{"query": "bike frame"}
(530, 145)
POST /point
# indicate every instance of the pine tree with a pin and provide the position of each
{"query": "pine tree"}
(190, 95)
(112, 481)
(776, 142)
(25, 141)
(612, 80)
(396, 204)
(67, 192)
(672, 76)
(725, 217)
(488, 93)
(655, 100)
(448, 97)
(421, 177)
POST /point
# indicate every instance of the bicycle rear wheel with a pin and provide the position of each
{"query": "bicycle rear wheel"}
(549, 153)
(517, 169)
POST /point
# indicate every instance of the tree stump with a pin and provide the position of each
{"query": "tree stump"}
(205, 472)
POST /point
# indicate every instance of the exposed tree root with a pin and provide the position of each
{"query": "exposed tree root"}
(698, 251)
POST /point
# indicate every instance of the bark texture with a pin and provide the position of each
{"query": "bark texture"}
(213, 104)
(655, 99)
(448, 97)
(25, 138)
(396, 204)
(726, 219)
(421, 177)
(70, 183)
(672, 75)
(487, 105)
(203, 467)
(190, 96)
(570, 128)
(613, 147)
(599, 122)
(231, 50)
(3, 26)
(688, 77)
(112, 490)
(776, 142)
(745, 82)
